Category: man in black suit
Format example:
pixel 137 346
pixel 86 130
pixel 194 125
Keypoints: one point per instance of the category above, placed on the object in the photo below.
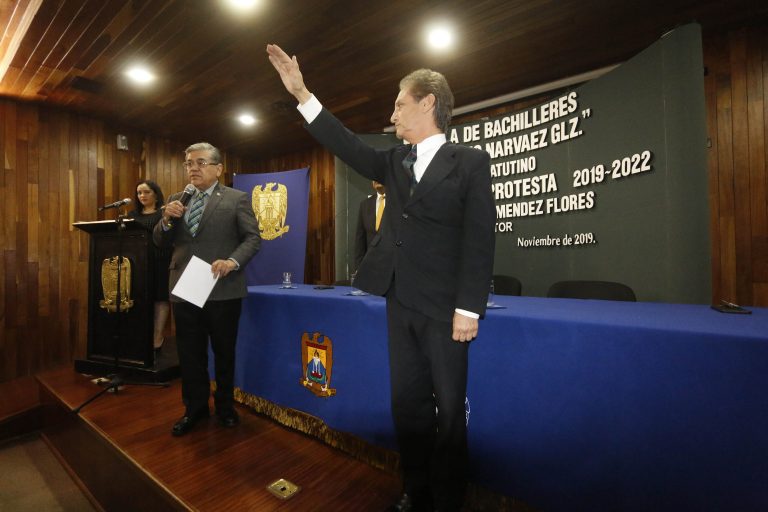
pixel 369 219
pixel 433 259
pixel 219 227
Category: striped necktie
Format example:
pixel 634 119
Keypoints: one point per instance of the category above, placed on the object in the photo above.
pixel 196 212
pixel 408 162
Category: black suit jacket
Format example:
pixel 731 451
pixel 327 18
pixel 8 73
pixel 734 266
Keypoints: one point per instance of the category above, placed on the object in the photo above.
pixel 436 245
pixel 366 228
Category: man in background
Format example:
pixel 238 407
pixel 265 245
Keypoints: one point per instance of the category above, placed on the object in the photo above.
pixel 369 219
pixel 219 227
pixel 432 259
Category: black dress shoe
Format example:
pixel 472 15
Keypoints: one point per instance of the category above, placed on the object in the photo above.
pixel 228 418
pixel 404 504
pixel 186 423
pixel 420 501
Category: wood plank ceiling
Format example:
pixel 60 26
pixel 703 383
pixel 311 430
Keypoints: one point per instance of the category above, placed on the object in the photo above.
pixel 211 65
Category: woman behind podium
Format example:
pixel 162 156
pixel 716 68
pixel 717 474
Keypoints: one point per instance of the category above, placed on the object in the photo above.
pixel 149 202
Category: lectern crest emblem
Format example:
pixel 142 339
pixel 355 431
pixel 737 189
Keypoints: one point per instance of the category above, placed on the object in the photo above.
pixel 109 285
pixel 317 363
pixel 270 205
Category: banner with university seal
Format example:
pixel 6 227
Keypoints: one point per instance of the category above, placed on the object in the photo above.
pixel 280 201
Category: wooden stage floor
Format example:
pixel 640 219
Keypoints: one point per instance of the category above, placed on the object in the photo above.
pixel 211 468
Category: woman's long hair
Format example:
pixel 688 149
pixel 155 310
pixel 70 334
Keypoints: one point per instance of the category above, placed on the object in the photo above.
pixel 159 198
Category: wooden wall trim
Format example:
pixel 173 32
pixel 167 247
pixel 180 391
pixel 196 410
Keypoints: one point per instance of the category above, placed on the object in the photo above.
pixel 20 410
pixel 18 395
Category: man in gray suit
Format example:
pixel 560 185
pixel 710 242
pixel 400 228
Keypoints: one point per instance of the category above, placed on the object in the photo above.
pixel 219 227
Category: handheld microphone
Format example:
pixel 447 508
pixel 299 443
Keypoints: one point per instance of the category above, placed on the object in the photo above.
pixel 186 195
pixel 116 204
pixel 189 191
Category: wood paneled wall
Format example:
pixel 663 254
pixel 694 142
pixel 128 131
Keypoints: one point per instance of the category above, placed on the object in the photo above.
pixel 736 86
pixel 59 166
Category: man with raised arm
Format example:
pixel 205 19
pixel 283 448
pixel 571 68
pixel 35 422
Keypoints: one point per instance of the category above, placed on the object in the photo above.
pixel 432 259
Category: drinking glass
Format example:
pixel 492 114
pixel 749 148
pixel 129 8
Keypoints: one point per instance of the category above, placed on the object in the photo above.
pixel 355 291
pixel 490 296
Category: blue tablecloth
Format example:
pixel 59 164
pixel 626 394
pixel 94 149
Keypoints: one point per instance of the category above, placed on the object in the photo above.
pixel 573 404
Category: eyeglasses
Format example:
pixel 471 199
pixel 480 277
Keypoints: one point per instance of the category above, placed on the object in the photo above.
pixel 199 163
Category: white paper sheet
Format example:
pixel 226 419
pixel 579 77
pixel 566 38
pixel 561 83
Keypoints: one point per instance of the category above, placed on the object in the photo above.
pixel 195 283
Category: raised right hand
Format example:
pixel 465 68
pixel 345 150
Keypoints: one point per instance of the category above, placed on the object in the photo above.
pixel 289 71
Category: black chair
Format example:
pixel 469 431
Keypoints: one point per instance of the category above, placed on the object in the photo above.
pixel 506 285
pixel 602 290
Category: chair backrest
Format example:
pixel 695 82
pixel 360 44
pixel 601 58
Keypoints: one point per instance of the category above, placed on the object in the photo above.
pixel 604 290
pixel 506 285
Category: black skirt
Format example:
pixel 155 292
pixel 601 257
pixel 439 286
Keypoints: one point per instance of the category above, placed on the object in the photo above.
pixel 160 258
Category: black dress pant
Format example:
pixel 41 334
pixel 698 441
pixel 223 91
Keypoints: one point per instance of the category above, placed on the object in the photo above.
pixel 428 373
pixel 217 321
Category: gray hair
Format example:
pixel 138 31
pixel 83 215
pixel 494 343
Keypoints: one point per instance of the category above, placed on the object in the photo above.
pixel 204 146
pixel 423 82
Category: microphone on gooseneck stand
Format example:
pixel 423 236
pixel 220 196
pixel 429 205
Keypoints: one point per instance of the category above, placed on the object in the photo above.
pixel 116 204
pixel 189 191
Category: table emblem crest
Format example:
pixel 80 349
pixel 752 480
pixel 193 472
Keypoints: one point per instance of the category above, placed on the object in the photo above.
pixel 270 205
pixel 317 363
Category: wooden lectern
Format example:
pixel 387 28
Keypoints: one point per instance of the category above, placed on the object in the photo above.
pixel 120 331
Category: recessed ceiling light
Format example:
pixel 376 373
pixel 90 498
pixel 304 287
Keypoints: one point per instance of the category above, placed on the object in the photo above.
pixel 247 120
pixel 440 37
pixel 140 75
pixel 243 4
